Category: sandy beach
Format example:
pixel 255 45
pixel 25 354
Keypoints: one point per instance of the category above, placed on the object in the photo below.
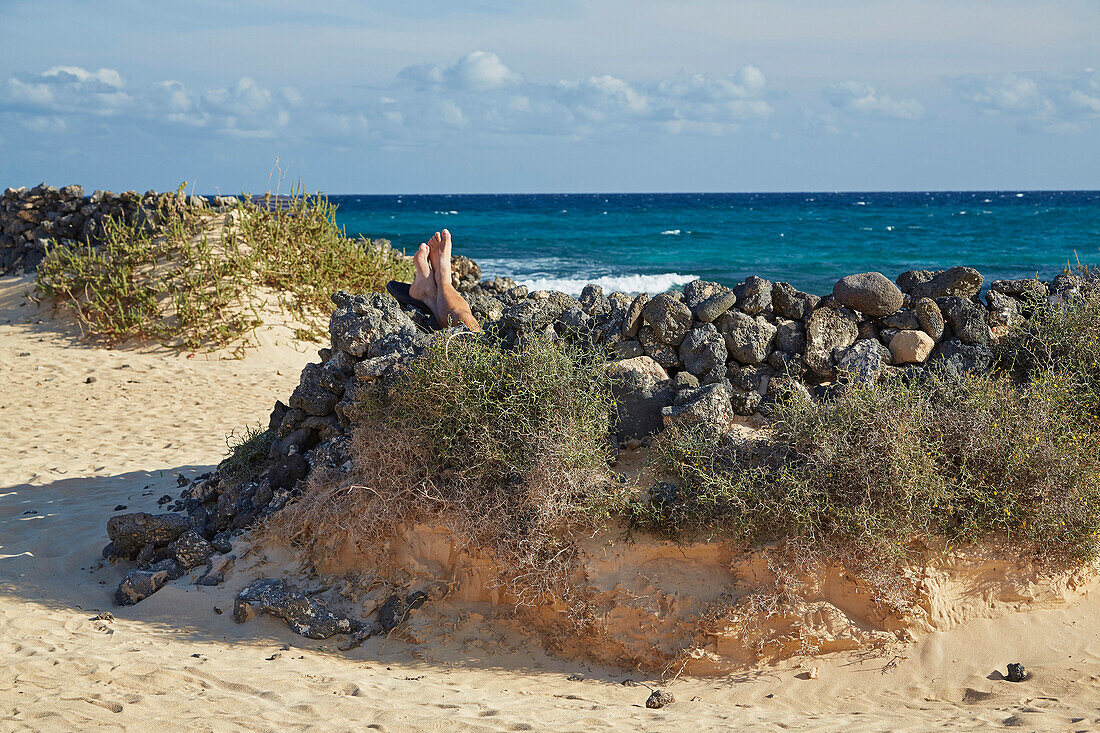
pixel 72 450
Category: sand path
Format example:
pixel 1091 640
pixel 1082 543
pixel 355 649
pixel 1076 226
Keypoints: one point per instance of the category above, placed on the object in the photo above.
pixel 70 451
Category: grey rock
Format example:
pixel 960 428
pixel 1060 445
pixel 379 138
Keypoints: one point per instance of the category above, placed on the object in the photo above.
pixel 665 355
pixel 863 362
pixel 748 339
pixel 969 320
pixel 641 388
pixel 395 610
pixel 1004 310
pixel 592 299
pixel 303 614
pixel 360 319
pixel 139 585
pixel 685 380
pixel 956 359
pixel 633 320
pixel 697 291
pixel 790 336
pixel 715 306
pixel 628 350
pixel 530 315
pixel 670 318
pixel 752 378
pixel 658 699
pixel 930 318
pixel 191 550
pixel 131 532
pixel 870 293
pixel 1025 289
pixel 792 365
pixel 754 296
pixel 745 403
pixel 958 281
pixel 904 320
pixel 791 303
pixel 703 353
pixel 287 471
pixel 312 395
pixel 216 568
pixel 828 329
pixel 708 405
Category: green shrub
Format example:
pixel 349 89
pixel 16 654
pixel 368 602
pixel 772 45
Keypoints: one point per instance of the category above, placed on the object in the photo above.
pixel 1059 339
pixel 177 285
pixel 505 447
pixel 886 465
pixel 247 454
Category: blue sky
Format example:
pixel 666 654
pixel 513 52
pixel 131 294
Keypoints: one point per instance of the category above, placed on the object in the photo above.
pixel 493 96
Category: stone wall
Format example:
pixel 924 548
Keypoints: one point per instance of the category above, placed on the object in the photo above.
pixel 32 218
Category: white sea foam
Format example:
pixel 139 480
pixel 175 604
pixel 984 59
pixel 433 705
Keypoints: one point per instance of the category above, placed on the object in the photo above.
pixel 671 231
pixel 625 283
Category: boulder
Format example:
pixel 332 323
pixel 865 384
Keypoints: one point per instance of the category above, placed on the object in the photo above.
pixel 911 347
pixel 1004 310
pixel 191 550
pixel 956 359
pixel 790 337
pixel 633 320
pixel 969 320
pixel 791 303
pixel 216 568
pixel 902 320
pixel 703 353
pixel 303 614
pixel 697 291
pixel 930 318
pixel 1025 289
pixel 139 585
pixel 748 339
pixel 754 296
pixel 665 355
pixel 863 362
pixel 870 293
pixel 714 306
pixel 708 405
pixel 958 281
pixel 131 532
pixel 828 329
pixel 670 318
pixel 360 319
pixel 641 388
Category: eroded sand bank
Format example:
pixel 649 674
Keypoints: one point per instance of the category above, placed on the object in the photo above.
pixel 71 451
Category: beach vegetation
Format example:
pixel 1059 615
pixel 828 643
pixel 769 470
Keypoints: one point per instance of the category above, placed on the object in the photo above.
pixel 505 447
pixel 247 454
pixel 175 275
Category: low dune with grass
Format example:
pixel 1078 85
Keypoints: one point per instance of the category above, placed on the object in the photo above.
pixel 534 526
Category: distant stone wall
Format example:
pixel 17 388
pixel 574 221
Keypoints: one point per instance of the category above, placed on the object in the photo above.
pixel 31 218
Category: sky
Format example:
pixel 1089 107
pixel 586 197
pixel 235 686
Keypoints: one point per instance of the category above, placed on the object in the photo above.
pixel 428 96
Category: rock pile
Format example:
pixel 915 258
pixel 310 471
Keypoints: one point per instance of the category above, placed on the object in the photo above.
pixel 708 354
pixel 31 218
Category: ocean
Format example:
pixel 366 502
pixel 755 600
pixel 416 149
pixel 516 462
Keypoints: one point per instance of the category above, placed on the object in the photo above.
pixel 653 242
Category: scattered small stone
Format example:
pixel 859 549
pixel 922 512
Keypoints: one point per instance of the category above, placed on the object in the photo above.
pixel 217 610
pixel 89 380
pixel 197 656
pixel 30 511
pixel 1016 672
pixel 24 353
pixel 181 480
pixel 658 699
pixel 104 616
pixel 120 507
pixel 164 500
pixel 575 678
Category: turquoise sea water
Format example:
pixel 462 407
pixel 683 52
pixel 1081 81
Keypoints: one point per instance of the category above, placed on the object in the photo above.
pixel 652 242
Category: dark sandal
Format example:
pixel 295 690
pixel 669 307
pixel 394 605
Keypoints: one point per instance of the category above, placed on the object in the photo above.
pixel 400 293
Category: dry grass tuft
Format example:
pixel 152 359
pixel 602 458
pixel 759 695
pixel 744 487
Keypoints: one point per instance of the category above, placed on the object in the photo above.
pixel 503 448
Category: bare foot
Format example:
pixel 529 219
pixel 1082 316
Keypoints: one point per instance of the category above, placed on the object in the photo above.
pixel 423 285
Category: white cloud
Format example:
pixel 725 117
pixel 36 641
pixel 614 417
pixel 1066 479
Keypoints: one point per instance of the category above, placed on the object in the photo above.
pixel 61 98
pixel 863 99
pixel 1059 104
pixel 476 71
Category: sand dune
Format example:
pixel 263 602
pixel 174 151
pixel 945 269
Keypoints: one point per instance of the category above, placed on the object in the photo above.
pixel 71 451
